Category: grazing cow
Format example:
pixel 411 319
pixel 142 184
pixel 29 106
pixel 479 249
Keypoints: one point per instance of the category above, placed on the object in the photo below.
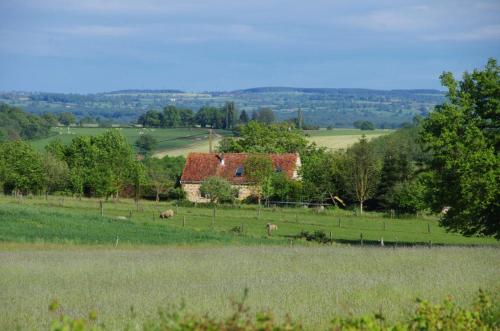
pixel 271 227
pixel 121 218
pixel 167 214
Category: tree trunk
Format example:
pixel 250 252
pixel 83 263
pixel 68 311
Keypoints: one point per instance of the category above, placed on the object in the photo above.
pixel 157 197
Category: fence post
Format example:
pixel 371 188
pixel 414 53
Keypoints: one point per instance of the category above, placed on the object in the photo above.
pixel 116 241
pixel 130 214
pixel 384 225
pixel 102 208
pixel 428 228
pixel 213 218
pixel 339 223
pixel 361 237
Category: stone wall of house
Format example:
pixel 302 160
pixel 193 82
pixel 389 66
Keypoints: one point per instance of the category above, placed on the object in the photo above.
pixel 193 192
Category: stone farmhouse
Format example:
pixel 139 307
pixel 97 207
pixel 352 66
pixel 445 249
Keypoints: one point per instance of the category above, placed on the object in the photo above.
pixel 200 166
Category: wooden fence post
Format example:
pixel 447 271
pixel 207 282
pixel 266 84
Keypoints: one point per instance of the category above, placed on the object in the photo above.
pixel 361 237
pixel 339 223
pixel 428 228
pixel 102 208
pixel 130 214
pixel 213 218
pixel 384 225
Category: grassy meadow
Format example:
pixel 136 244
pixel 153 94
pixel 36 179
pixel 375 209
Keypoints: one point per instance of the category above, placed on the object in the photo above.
pixel 62 248
pixel 79 221
pixel 311 283
pixel 342 138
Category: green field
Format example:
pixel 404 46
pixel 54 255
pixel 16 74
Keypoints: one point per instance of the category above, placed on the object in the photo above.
pixel 182 141
pixel 336 139
pixel 40 220
pixel 63 248
pixel 311 283
pixel 168 139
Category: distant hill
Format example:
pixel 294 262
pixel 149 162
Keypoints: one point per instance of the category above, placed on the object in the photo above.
pixel 281 89
pixel 134 91
pixel 337 107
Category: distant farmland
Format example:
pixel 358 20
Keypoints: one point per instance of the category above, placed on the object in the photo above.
pixel 181 141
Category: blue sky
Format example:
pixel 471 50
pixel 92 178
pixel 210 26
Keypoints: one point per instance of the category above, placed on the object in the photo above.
pixel 205 45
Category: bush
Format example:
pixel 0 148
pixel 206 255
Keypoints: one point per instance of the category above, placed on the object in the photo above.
pixel 483 315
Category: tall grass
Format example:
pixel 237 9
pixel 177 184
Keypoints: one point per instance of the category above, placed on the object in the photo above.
pixel 311 283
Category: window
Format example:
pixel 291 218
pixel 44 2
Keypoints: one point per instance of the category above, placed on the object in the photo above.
pixel 239 172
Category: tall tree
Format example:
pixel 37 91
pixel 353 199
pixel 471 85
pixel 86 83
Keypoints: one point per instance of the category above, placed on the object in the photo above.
pixel 243 117
pixel 145 144
pixel 22 168
pixel 67 118
pixel 266 116
pixel 361 172
pixel 463 135
pixel 258 171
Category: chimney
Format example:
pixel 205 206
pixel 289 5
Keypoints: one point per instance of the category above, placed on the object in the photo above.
pixel 221 158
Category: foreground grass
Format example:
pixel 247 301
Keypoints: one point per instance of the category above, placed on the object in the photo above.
pixel 60 220
pixel 311 283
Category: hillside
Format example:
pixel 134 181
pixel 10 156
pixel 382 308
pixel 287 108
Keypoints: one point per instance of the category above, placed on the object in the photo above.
pixel 338 107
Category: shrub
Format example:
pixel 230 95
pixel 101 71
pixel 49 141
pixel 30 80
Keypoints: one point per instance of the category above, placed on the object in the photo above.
pixel 482 315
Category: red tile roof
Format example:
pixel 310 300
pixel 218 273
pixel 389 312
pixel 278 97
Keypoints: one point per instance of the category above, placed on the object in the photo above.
pixel 200 166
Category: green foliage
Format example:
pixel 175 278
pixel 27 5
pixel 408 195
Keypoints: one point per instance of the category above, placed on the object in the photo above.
pixel 446 317
pixel 244 117
pixel 265 116
pixel 163 174
pixel 361 172
pixel 99 165
pixel 56 173
pixel 260 138
pixel 320 172
pixel 463 137
pixel 145 144
pixel 218 190
pixel 408 197
pixel 317 236
pixel 21 168
pixel 259 171
pixel 364 125
pixel 16 124
pixel 67 118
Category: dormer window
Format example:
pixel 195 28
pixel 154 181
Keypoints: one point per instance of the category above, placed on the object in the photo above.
pixel 239 172
pixel 278 169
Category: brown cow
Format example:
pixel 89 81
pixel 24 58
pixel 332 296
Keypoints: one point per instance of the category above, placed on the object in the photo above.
pixel 167 214
pixel 271 227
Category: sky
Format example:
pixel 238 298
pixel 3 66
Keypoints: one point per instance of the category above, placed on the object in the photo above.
pixel 87 46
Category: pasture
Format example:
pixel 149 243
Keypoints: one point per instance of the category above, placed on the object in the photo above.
pixel 62 220
pixel 342 138
pixel 63 248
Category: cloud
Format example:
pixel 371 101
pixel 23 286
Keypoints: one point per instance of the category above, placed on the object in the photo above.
pixel 96 30
pixel 489 32
pixel 396 19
